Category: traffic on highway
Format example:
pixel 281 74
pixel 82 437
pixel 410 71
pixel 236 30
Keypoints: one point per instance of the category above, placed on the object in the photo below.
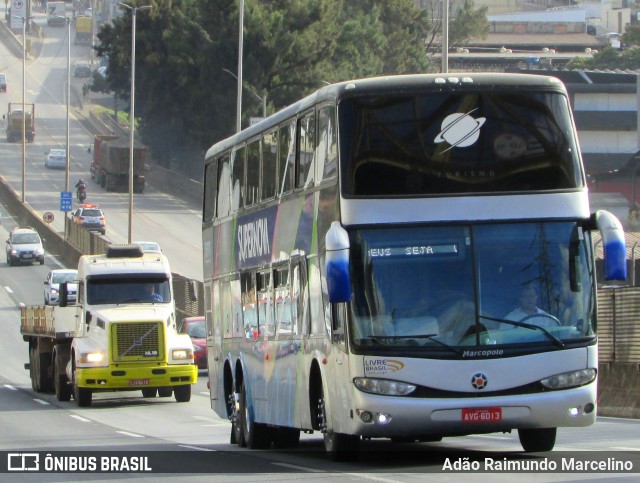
pixel 183 437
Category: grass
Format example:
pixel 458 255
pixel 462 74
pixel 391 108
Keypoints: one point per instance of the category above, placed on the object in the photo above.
pixel 123 117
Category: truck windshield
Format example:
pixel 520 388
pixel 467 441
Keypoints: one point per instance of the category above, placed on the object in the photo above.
pixel 121 291
pixel 442 290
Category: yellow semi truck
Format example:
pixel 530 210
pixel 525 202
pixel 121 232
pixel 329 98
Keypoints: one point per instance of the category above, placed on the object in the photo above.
pixel 120 336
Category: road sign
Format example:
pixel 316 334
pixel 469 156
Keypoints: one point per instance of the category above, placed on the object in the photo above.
pixel 66 198
pixel 48 217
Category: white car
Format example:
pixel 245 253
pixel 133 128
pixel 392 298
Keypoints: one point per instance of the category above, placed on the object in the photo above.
pixel 55 158
pixel 148 246
pixel 52 285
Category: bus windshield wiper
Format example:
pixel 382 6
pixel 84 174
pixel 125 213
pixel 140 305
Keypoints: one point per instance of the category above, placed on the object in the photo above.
pixel 557 342
pixel 431 337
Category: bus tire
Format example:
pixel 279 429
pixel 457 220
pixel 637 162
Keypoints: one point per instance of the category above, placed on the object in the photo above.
pixel 538 439
pixel 237 434
pixel 182 393
pixel 286 438
pixel 149 392
pixel 255 435
pixel 339 446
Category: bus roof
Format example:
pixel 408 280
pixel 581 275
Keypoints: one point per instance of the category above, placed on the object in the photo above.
pixel 385 84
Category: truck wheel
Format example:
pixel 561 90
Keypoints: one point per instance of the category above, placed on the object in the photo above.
pixel 165 392
pixel 149 392
pixel 182 393
pixel 40 371
pixel 82 395
pixel 61 385
pixel 32 367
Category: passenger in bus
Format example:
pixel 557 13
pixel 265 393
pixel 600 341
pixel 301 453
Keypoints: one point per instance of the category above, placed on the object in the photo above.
pixel 528 310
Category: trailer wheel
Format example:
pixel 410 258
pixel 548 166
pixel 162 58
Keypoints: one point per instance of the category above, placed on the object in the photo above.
pixel 40 368
pixel 61 385
pixel 182 393
pixel 32 367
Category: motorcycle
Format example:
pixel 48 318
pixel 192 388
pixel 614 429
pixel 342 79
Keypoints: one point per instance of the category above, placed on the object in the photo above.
pixel 81 194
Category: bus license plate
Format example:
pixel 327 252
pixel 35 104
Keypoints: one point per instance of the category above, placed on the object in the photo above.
pixel 138 382
pixel 481 415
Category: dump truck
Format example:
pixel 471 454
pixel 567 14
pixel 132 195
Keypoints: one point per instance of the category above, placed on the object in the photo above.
pixel 83 30
pixel 110 165
pixel 119 336
pixel 14 118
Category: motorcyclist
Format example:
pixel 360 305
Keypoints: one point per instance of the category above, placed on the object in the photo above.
pixel 81 192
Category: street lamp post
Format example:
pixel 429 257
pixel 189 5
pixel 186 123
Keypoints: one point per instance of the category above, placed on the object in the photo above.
pixel 239 76
pixel 24 112
pixel 262 99
pixel 67 147
pixel 134 11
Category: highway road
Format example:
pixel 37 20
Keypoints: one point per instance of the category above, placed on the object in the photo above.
pixel 157 216
pixel 32 421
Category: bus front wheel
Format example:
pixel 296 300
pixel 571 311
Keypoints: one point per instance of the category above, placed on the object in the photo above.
pixel 537 440
pixel 339 446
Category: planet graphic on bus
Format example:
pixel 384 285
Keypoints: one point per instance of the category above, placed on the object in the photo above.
pixel 460 130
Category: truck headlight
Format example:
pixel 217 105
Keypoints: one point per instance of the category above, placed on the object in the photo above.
pixel 569 379
pixel 384 387
pixel 182 354
pixel 91 357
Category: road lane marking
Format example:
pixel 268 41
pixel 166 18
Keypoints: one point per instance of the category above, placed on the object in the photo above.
pixel 296 467
pixel 197 448
pixel 40 401
pixel 133 435
pixel 10 387
pixel 80 418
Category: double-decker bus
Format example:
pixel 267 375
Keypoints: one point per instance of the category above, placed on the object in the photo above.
pixel 365 250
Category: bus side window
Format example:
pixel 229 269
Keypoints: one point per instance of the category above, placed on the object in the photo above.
pixel 210 195
pixel 248 297
pixel 282 301
pixel 299 304
pixel 306 150
pixel 327 151
pixel 269 166
pixel 238 180
pixel 338 322
pixel 224 186
pixel 253 173
pixel 265 301
pixel 286 157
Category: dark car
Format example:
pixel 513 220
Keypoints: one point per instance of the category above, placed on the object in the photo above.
pixel 197 330
pixel 24 245
pixel 81 70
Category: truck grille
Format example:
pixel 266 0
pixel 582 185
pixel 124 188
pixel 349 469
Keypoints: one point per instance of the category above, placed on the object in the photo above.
pixel 138 341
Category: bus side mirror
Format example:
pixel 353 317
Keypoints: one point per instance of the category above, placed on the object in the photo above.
pixel 615 250
pixel 63 296
pixel 337 264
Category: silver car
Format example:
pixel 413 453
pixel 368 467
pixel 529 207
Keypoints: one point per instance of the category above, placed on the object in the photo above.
pixel 56 158
pixel 52 285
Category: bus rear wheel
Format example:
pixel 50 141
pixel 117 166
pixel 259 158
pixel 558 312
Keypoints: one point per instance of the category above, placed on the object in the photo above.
pixel 255 435
pixel 237 435
pixel 537 440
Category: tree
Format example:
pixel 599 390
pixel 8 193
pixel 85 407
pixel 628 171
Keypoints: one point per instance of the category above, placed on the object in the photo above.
pixel 465 23
pixel 186 99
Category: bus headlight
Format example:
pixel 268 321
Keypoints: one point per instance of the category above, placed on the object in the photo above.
pixel 91 357
pixel 569 379
pixel 182 354
pixel 384 387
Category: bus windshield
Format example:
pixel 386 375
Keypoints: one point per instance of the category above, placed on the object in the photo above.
pixel 435 143
pixel 440 288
